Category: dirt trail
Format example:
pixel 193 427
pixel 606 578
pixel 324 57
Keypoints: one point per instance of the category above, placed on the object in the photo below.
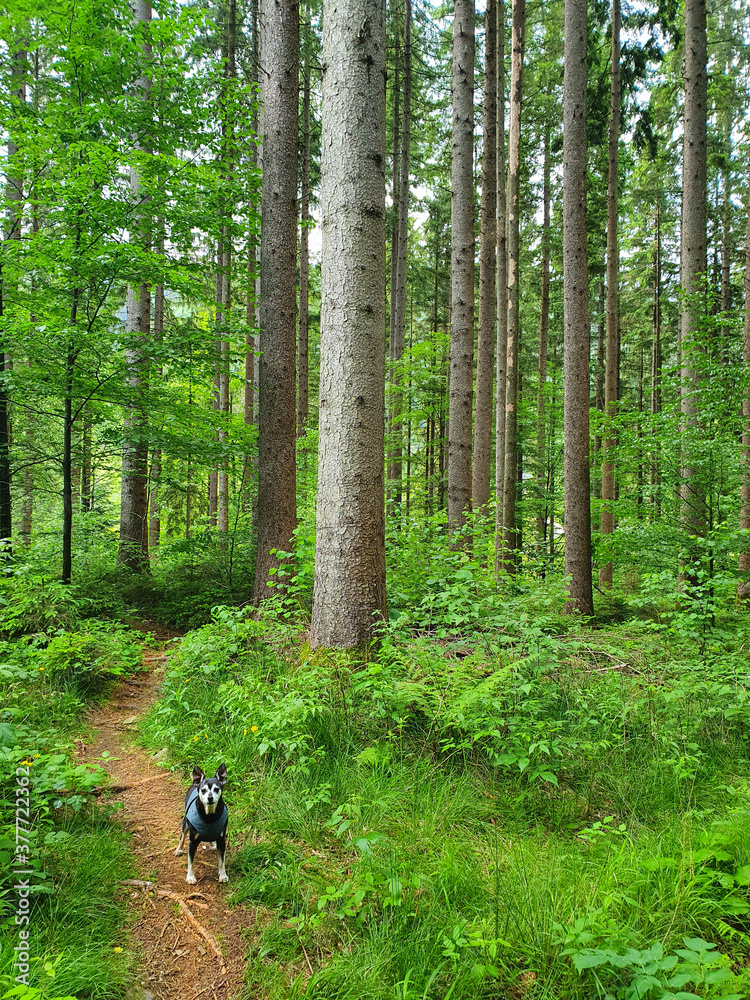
pixel 178 961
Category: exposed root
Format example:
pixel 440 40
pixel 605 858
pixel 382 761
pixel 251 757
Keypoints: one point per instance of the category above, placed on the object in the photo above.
pixel 208 938
pixel 188 913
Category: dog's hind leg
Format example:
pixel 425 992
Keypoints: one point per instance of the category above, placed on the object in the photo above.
pixel 178 849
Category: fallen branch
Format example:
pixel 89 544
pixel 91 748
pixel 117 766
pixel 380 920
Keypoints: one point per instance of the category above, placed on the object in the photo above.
pixel 189 916
pixel 188 913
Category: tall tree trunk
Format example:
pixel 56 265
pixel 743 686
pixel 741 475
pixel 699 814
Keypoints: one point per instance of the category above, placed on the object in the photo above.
pixel 501 347
pixel 640 397
pixel 349 592
pixel 303 404
pixel 223 321
pixel 692 273
pixel 27 502
pixel 576 318
pixel 213 476
pixel 480 475
pixel 462 270
pixel 154 506
pixel 743 587
pixel 277 427
pixel 67 457
pixel 86 462
pixel 14 203
pixel 68 421
pixel 540 471
pixel 510 481
pixel 656 365
pixel 395 186
pixel 611 374
pixel 396 346
pixel 252 272
pixel 133 548
pixel 224 282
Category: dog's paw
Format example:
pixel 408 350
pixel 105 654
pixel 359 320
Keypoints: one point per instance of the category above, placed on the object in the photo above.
pixel 191 879
pixel 223 877
pixel 178 852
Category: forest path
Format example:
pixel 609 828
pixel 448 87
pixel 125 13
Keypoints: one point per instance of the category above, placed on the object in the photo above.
pixel 179 928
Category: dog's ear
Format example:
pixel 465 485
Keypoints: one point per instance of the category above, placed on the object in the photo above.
pixel 221 775
pixel 198 775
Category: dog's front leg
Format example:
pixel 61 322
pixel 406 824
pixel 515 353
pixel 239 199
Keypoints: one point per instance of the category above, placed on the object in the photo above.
pixel 192 847
pixel 221 844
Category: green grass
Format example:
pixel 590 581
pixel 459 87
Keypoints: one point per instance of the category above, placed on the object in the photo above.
pixel 54 664
pixel 76 927
pixel 436 824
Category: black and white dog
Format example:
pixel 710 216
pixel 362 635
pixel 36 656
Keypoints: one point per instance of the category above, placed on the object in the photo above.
pixel 206 818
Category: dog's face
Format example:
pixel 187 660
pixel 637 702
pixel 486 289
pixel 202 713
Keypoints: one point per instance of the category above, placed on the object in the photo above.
pixel 210 789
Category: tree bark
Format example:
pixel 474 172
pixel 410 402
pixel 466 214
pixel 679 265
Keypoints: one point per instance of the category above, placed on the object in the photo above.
pixel 395 186
pixel 133 547
pixel 224 281
pixel 349 591
pixel 67 456
pixel 692 273
pixel 510 480
pixel 154 476
pixel 396 345
pixel 501 347
pixel 251 300
pixel 303 403
pixel 656 365
pixel 480 475
pixel 14 202
pixel 462 272
pixel 612 369
pixel 576 316
pixel 277 425
pixel 540 471
pixel 743 587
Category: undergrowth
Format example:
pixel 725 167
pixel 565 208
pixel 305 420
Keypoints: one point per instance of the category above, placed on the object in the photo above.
pixel 498 801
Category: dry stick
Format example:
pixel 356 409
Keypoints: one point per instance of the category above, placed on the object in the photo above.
pixel 166 928
pixel 167 894
pixel 210 941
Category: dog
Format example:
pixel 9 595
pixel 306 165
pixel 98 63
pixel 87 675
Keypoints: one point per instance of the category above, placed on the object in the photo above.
pixel 206 818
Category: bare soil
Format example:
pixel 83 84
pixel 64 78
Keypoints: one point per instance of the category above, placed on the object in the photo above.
pixel 178 927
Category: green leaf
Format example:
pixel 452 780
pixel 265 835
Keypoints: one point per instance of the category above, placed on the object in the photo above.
pixel 589 960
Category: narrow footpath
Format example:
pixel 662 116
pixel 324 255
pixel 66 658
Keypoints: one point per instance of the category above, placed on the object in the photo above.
pixel 190 944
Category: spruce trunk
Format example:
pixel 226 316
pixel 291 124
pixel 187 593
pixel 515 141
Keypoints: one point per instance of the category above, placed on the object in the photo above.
pixel 349 591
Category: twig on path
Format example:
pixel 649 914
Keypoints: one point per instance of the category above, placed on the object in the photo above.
pixel 138 883
pixel 189 916
pixel 166 928
pixel 188 913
